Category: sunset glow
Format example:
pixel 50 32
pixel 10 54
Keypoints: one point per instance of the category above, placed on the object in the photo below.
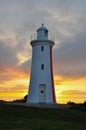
pixel 67 27
pixel 68 90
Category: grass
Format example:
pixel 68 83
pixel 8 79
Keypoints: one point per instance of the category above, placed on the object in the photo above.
pixel 13 117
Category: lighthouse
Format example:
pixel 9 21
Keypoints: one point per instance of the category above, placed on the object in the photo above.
pixel 41 87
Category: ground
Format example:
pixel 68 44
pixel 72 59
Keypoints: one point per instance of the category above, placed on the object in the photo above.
pixel 19 117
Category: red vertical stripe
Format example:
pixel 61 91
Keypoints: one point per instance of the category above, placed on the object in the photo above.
pixel 51 68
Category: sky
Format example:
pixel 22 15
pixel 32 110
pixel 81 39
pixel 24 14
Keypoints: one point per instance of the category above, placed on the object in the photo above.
pixel 66 22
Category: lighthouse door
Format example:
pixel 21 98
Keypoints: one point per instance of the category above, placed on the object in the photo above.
pixel 42 93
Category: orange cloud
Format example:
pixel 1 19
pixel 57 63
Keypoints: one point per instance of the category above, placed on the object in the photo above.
pixel 77 96
pixel 9 73
pixel 13 83
pixel 58 80
pixel 70 89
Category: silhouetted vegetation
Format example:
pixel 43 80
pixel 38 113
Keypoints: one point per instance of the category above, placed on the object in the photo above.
pixel 20 100
pixel 70 103
pixel 25 98
pixel 78 106
pixel 2 101
pixel 84 103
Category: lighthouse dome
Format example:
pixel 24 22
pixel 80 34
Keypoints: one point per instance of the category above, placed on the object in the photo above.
pixel 42 33
pixel 42 28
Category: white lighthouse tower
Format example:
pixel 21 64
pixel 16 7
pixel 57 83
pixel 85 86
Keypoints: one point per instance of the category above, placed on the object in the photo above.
pixel 41 88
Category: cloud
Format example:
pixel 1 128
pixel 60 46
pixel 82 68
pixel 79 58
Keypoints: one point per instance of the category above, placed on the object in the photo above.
pixel 9 73
pixel 73 93
pixel 9 68
pixel 26 67
pixel 23 17
pixel 16 89
pixel 77 96
pixel 70 57
pixel 19 19
pixel 7 55
pixel 10 47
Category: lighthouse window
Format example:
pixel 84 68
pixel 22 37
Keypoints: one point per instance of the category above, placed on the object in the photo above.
pixel 46 32
pixel 42 48
pixel 42 66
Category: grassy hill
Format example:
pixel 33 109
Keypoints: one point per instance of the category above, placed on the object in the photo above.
pixel 13 117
